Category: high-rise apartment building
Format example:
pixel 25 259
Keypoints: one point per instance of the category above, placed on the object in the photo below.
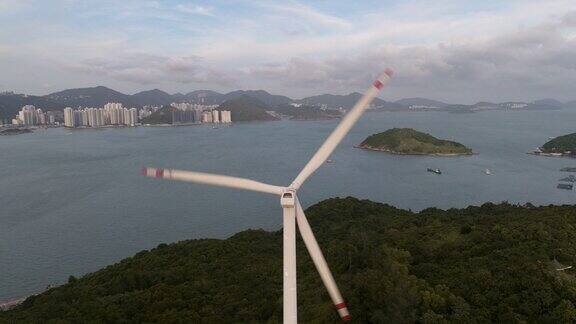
pixel 225 116
pixel 69 117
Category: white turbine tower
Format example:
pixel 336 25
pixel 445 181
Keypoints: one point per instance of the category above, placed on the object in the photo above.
pixel 293 212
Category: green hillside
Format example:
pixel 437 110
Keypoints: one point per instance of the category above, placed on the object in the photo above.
pixel 410 141
pixel 159 117
pixel 307 112
pixel 494 263
pixel 561 144
pixel 245 108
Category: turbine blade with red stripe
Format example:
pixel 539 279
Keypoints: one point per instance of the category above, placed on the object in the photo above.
pixel 212 179
pixel 320 262
pixel 342 129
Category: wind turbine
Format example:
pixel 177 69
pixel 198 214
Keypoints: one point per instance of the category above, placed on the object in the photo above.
pixel 292 210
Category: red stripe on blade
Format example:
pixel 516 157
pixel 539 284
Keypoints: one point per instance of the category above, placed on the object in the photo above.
pixel 159 173
pixel 346 318
pixel 144 171
pixel 340 306
pixel 389 72
pixel 378 84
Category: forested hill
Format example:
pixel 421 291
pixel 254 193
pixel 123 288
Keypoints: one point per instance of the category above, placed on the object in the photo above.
pixel 410 141
pixel 246 108
pixel 494 263
pixel 561 144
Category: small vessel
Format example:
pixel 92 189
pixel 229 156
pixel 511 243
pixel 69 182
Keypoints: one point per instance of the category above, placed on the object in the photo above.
pixel 437 171
pixel 570 178
pixel 487 172
pixel 329 161
pixel 565 186
pixel 214 127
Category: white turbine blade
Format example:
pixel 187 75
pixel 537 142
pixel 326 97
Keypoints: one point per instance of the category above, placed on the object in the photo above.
pixel 212 179
pixel 320 263
pixel 342 129
pixel 290 305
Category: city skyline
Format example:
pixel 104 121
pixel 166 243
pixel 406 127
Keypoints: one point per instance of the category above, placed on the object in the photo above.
pixel 458 51
pixel 115 114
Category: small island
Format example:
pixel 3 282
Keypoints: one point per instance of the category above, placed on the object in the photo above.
pixel 407 141
pixel 560 146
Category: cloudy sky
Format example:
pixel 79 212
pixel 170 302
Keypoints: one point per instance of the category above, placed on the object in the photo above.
pixel 452 50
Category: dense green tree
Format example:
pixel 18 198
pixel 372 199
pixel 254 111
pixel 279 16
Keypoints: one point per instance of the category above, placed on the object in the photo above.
pixel 493 263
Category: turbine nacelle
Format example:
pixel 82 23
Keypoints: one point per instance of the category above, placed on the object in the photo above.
pixel 288 198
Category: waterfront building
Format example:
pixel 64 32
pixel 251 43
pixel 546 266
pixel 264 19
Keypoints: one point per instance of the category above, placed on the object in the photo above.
pixel 115 113
pixel 215 116
pixel 225 116
pixel 51 118
pixel 183 116
pixel 207 117
pixel 69 117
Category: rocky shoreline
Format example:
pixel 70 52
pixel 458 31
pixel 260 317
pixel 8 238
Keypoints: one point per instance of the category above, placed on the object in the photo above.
pixel 7 305
pixel 378 149
pixel 560 155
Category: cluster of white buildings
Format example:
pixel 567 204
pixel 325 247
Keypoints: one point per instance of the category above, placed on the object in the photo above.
pixel 196 113
pixel 514 105
pixel 30 116
pixel 419 107
pixel 215 116
pixel 114 114
pixel 111 114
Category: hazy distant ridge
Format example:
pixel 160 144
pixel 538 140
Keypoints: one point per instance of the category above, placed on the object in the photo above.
pixel 10 103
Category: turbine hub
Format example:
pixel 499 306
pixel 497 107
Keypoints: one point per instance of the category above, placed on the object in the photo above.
pixel 288 198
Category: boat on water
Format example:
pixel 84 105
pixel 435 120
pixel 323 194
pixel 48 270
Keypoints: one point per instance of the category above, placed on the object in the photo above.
pixel 487 172
pixel 437 171
pixel 565 186
pixel 329 161
pixel 571 178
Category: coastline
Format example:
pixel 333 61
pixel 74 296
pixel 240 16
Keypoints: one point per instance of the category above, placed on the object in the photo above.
pixel 555 155
pixel 370 148
pixel 8 305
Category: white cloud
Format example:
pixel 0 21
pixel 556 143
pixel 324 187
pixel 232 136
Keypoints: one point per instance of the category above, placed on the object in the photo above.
pixel 195 9
pixel 455 50
pixel 8 7
pixel 300 11
pixel 145 69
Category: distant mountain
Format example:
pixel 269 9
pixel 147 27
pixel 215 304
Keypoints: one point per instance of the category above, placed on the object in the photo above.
pixel 246 108
pixel 421 102
pixel 206 97
pixel 11 103
pixel 153 98
pixel 209 97
pixel 265 97
pixel 307 112
pixel 339 101
pixel 549 102
pixel 485 104
pixel 90 97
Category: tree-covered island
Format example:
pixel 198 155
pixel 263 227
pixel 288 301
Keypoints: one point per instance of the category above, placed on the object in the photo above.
pixel 411 142
pixel 560 146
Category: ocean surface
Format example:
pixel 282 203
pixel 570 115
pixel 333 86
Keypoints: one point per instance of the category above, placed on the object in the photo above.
pixel 73 201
